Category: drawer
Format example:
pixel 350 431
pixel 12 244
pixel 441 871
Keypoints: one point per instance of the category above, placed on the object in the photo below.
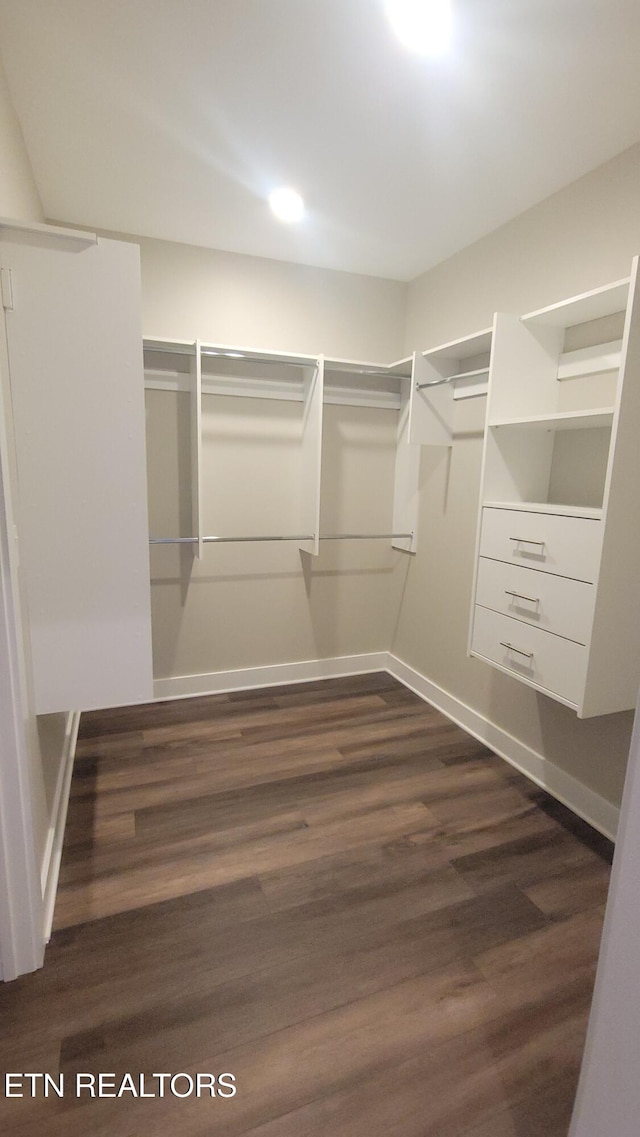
pixel 548 662
pixel 567 546
pixel 553 603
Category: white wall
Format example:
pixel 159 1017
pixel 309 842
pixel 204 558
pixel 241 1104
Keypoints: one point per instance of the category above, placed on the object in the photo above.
pixel 582 237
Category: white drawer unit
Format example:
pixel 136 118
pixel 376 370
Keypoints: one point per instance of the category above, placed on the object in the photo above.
pixel 566 546
pixel 553 603
pixel 550 663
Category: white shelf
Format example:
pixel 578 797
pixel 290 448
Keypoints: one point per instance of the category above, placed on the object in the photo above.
pixel 546 507
pixel 172 347
pixel 255 355
pixel 458 369
pixel 258 374
pixel 401 369
pixel 562 420
pixel 580 309
pixel 479 343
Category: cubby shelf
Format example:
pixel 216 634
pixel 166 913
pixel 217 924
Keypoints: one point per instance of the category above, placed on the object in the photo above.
pixel 455 370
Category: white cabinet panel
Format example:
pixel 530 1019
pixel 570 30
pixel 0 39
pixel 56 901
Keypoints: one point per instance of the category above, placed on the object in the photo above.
pixel 554 603
pixel 568 546
pixel 75 363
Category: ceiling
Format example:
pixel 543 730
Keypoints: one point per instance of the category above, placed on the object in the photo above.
pixel 175 118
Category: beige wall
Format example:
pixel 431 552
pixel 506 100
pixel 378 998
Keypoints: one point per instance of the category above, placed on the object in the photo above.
pixel 190 293
pixel 582 237
pixel 18 194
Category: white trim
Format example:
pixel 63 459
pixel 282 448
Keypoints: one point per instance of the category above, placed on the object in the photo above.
pixel 219 682
pixel 53 849
pixel 593 808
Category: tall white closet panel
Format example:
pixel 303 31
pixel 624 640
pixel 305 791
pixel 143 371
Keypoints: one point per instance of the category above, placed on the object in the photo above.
pixel 558 554
pixel 72 316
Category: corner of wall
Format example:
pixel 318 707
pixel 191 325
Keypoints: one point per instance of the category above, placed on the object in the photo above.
pixel 19 196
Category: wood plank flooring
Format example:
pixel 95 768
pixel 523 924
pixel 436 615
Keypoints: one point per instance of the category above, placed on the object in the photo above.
pixel 327 890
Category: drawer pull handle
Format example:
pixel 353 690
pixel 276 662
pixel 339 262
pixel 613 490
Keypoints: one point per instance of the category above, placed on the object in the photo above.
pixel 510 647
pixel 521 596
pixel 526 541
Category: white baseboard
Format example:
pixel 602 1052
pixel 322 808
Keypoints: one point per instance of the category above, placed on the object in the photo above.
pixel 599 812
pixel 244 679
pixel 53 848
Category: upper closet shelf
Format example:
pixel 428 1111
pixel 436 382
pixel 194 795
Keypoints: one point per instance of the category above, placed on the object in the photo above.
pixel 228 351
pixel 463 363
pixel 362 383
pixel 478 343
pixel 251 373
pixel 593 305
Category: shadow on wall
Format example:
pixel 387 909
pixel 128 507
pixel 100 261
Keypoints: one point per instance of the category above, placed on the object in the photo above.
pixel 591 751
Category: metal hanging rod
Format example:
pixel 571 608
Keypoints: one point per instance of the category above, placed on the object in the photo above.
pixel 436 382
pixel 224 540
pixel 366 537
pixel 304 537
pixel 475 374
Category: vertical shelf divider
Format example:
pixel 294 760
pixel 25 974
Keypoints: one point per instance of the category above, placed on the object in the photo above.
pixel 407 474
pixel 311 456
pixel 431 409
pixel 196 450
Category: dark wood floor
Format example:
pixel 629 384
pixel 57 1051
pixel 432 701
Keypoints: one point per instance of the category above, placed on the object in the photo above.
pixel 329 891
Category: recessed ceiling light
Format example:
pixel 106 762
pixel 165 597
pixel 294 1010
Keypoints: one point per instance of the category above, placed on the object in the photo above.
pixel 286 204
pixel 423 26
